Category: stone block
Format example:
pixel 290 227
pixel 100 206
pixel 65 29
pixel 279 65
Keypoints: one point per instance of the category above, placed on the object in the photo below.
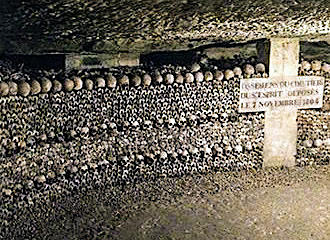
pixel 284 57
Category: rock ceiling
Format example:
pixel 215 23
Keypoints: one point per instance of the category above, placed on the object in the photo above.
pixel 39 26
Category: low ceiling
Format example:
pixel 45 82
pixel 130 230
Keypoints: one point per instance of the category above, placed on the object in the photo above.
pixel 109 26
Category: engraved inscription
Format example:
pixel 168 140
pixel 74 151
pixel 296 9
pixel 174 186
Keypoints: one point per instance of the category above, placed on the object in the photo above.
pixel 262 94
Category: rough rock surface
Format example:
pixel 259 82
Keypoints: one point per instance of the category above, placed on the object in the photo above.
pixel 136 25
pixel 267 204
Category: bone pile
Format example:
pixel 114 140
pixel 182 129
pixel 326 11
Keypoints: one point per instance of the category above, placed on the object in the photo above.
pixel 313 145
pixel 65 133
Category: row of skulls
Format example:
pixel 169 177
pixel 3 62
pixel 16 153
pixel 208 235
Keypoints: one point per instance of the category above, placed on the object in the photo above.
pixel 113 79
pixel 142 78
pixel 314 67
pixel 171 105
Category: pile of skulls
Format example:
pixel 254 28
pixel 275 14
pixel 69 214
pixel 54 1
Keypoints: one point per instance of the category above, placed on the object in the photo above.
pixel 47 82
pixel 315 68
pixel 89 111
pixel 94 133
pixel 313 137
pixel 125 125
pixel 313 145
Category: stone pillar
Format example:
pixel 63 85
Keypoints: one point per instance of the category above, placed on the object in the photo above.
pixel 281 126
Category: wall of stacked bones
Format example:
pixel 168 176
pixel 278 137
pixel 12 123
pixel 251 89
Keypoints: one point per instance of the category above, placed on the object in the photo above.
pixel 65 132
pixel 313 144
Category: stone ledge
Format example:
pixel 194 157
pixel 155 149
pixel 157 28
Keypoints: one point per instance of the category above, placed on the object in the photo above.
pixel 85 61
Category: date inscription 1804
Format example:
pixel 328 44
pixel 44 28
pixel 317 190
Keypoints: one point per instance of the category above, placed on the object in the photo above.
pixel 262 94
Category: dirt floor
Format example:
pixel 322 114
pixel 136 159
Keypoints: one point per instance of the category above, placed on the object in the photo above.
pixel 301 211
pixel 266 204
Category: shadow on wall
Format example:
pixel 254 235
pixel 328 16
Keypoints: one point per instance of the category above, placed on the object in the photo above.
pixel 165 58
pixel 219 55
pixel 315 50
pixel 45 61
pixel 308 50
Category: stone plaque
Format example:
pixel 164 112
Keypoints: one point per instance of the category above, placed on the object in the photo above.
pixel 278 93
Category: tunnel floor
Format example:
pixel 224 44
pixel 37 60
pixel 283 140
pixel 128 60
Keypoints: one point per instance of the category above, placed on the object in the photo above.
pixel 264 204
pixel 301 211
